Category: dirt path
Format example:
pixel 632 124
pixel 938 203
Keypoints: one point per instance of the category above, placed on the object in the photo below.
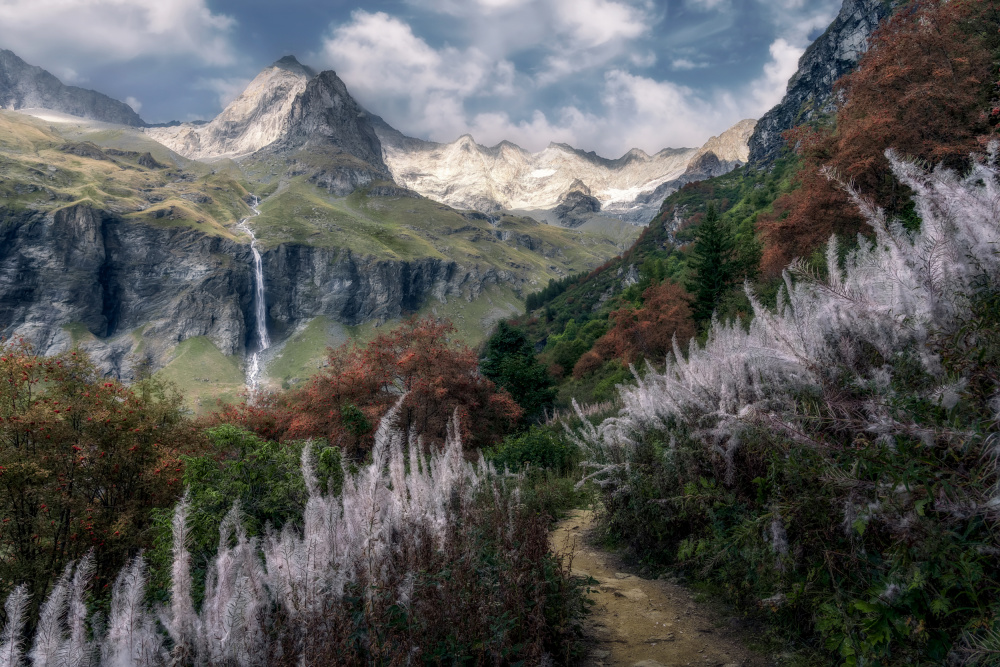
pixel 642 622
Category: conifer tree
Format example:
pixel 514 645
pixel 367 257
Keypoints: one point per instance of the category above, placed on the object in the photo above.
pixel 714 262
pixel 510 362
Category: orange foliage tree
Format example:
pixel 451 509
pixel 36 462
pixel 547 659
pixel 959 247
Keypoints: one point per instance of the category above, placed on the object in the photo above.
pixel 924 89
pixel 82 461
pixel 646 332
pixel 345 401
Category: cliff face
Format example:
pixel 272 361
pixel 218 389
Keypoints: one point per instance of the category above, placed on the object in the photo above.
pixel 810 90
pixel 86 276
pixel 128 292
pixel 24 86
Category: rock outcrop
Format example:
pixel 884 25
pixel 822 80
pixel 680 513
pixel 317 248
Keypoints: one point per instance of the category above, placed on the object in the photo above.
pixel 810 90
pixel 130 292
pixel 308 120
pixel 24 86
pixel 467 175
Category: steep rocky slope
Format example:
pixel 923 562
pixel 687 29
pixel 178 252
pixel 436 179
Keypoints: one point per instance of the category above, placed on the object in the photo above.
pixel 259 116
pixel 467 175
pixel 810 90
pixel 24 86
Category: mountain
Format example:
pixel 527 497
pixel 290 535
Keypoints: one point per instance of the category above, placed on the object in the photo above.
pixel 258 117
pixel 290 112
pixel 24 86
pixel 467 175
pixel 810 90
pixel 129 243
pixel 114 243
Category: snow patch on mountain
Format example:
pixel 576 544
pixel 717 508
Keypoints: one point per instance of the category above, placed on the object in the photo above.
pixel 467 175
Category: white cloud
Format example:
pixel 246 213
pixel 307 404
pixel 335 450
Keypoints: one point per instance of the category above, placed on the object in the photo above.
pixel 103 31
pixel 770 87
pixel 435 92
pixel 708 5
pixel 635 112
pixel 684 64
pixel 134 103
pixel 398 74
pixel 227 90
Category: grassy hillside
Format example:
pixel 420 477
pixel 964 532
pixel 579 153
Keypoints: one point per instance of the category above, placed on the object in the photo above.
pixel 47 167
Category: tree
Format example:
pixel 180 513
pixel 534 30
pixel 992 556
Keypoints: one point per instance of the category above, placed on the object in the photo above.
pixel 510 362
pixel 713 259
pixel 646 332
pixel 82 461
pixel 343 402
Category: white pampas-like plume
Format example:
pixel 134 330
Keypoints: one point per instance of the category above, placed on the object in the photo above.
pixel 889 294
pixel 402 494
pixel 132 639
pixel 12 640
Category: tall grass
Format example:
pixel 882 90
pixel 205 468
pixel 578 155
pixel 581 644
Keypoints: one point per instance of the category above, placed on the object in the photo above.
pixel 834 460
pixel 419 558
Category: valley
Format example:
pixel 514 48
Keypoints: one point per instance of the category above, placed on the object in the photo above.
pixel 344 237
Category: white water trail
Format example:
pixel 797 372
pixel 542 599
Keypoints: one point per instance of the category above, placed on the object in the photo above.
pixel 260 305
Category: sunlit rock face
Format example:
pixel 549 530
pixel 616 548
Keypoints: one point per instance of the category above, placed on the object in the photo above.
pixel 467 175
pixel 810 90
pixel 258 117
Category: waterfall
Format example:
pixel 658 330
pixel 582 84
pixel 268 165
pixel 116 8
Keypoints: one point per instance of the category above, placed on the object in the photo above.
pixel 260 305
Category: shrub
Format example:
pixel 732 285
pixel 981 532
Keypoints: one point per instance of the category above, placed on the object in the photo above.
pixel 536 447
pixel 923 89
pixel 419 558
pixel 262 477
pixel 83 460
pixel 358 386
pixel 833 464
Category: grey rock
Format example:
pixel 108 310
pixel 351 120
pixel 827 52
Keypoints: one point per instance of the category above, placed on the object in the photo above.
pixel 576 208
pixel 810 90
pixel 89 267
pixel 135 287
pixel 24 86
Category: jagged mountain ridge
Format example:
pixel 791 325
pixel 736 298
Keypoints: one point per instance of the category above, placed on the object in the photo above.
pixel 810 90
pixel 288 107
pixel 24 86
pixel 467 175
pixel 259 116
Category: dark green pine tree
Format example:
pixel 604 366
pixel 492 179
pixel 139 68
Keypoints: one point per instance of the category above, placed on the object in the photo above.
pixel 714 263
pixel 510 362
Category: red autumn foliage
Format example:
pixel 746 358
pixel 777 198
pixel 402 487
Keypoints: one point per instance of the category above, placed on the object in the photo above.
pixel 345 401
pixel 83 460
pixel 923 89
pixel 646 332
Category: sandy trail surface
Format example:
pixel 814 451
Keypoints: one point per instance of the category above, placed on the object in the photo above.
pixel 641 622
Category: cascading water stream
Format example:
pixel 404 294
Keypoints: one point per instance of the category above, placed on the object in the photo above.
pixel 260 305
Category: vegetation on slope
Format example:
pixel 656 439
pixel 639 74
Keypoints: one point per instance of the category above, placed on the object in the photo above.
pixel 380 549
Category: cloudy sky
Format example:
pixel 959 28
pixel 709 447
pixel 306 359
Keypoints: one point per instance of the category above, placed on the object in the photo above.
pixel 603 75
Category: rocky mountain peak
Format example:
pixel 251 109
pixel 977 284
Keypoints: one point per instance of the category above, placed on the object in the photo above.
pixel 256 118
pixel 24 86
pixel 291 64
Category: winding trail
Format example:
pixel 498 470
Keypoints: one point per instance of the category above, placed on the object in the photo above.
pixel 641 622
